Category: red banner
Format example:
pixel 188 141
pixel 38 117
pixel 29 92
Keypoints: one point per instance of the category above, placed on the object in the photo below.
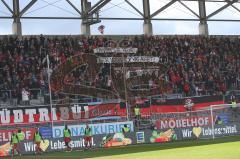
pixel 25 115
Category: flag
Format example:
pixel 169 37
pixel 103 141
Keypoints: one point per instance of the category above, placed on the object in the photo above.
pixel 101 29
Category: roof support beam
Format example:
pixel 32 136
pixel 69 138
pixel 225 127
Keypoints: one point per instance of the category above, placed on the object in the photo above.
pixel 16 11
pixel 97 6
pixel 203 26
pixel 222 8
pixel 7 6
pixel 147 25
pixel 184 5
pixel 146 10
pixel 27 7
pixel 74 7
pixel 129 3
pixel 235 7
pixel 163 8
pixel 16 26
pixel 118 18
pixel 85 27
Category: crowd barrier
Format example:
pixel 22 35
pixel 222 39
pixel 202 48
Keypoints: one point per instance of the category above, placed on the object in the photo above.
pixel 69 112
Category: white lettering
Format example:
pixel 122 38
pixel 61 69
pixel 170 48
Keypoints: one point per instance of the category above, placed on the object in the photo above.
pixel 64 113
pixel 43 112
pixel 54 114
pixel 18 116
pixel 30 113
pixel 5 116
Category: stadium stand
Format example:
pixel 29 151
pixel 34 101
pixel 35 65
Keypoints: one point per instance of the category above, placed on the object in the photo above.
pixel 196 65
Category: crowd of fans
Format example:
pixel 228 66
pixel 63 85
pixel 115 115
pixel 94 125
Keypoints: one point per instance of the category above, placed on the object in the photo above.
pixel 195 65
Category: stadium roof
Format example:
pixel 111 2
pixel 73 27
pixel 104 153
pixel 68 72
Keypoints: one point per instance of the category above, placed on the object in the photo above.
pixel 122 16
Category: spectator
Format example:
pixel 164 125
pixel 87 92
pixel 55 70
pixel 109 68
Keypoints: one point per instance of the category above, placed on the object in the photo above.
pixel 208 65
pixel 25 97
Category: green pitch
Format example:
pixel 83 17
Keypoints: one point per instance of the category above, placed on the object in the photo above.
pixel 225 148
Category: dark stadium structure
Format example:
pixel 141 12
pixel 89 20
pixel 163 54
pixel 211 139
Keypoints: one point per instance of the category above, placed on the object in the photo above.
pixel 89 13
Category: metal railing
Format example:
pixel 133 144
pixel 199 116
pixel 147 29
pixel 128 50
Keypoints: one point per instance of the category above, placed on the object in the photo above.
pixel 38 97
pixel 11 97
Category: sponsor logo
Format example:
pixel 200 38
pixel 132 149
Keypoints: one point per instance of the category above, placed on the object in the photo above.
pixel 188 103
pixel 104 128
pixel 163 136
pixel 5 135
pixel 46 132
pixel 227 130
pixel 117 139
pixel 182 123
pixel 140 137
pixel 54 145
pixel 199 132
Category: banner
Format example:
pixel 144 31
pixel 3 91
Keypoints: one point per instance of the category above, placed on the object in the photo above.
pixel 208 132
pixel 104 50
pixel 78 143
pixel 5 135
pixel 101 128
pixel 129 59
pixel 43 114
pixel 170 123
pixel 123 139
pixel 158 107
pixel 182 104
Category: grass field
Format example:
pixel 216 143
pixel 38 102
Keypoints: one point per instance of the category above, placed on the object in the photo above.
pixel 224 148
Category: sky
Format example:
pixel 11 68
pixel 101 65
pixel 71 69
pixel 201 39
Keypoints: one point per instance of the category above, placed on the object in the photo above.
pixel 119 8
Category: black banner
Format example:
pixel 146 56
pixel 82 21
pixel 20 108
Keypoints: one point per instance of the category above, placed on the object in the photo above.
pixel 182 101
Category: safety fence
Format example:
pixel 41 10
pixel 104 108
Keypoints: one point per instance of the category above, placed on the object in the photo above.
pixel 14 98
pixel 99 110
pixel 41 96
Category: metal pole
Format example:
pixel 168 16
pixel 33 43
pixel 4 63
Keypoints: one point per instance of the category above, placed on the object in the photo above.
pixel 49 88
pixel 147 25
pixel 85 28
pixel 213 135
pixel 203 26
pixel 16 25
pixel 125 88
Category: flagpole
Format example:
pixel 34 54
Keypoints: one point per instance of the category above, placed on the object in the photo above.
pixel 49 88
pixel 125 88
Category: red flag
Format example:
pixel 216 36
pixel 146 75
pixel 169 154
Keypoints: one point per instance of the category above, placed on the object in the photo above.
pixel 101 29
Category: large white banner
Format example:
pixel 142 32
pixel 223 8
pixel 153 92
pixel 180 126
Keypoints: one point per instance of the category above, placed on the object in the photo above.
pixel 103 128
pixel 128 50
pixel 129 59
